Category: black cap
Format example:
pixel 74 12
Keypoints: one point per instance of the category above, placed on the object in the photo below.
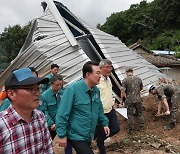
pixel 23 77
pixel 152 87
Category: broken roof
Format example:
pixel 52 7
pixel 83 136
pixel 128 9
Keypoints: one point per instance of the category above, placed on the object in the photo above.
pixel 157 60
pixel 58 36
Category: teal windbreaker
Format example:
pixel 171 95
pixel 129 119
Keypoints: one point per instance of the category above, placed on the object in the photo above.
pixel 78 112
pixel 5 104
pixel 50 105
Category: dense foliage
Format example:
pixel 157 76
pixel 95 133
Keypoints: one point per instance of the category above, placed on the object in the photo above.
pixel 11 41
pixel 156 24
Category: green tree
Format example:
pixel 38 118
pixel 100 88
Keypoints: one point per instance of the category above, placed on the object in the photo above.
pixel 12 39
pixel 98 26
pixel 156 24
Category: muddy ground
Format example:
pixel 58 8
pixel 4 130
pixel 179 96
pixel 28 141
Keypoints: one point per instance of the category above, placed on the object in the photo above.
pixel 154 140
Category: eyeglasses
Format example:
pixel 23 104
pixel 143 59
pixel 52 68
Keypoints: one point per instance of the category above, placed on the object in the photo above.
pixel 108 67
pixel 34 91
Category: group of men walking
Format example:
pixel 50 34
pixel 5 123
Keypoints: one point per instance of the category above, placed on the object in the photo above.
pixel 77 114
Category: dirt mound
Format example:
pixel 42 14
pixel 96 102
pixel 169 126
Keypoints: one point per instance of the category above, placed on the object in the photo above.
pixel 141 144
pixel 154 140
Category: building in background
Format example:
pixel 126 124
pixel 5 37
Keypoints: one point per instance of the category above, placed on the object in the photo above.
pixel 168 64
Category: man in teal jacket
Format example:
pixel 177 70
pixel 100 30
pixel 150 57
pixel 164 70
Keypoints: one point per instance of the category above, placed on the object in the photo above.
pixel 51 100
pixel 80 110
pixel 54 71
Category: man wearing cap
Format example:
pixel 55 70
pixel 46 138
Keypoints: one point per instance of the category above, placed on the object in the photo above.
pixel 132 86
pixel 3 96
pixel 54 71
pixel 23 129
pixel 169 95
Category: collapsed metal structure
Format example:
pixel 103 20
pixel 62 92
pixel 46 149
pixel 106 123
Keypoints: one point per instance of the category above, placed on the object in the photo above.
pixel 58 36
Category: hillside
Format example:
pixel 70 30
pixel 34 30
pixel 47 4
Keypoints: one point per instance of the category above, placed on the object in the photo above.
pixel 155 24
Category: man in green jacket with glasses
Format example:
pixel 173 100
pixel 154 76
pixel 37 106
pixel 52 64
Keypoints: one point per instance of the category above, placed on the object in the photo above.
pixel 80 110
pixel 50 101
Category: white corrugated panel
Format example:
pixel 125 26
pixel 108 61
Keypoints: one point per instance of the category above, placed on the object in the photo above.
pixel 122 57
pixel 50 41
pixel 49 45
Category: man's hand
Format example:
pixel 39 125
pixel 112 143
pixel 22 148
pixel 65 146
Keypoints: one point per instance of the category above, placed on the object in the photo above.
pixel 107 131
pixel 167 113
pixel 123 94
pixel 53 127
pixel 114 107
pixel 158 114
pixel 121 103
pixel 62 142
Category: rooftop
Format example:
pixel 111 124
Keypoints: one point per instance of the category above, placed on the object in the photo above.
pixel 159 60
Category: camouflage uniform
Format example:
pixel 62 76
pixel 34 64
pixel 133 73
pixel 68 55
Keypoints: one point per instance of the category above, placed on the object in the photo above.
pixel 172 94
pixel 132 86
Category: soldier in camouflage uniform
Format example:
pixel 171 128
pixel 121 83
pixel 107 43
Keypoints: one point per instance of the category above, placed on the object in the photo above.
pixel 169 95
pixel 132 86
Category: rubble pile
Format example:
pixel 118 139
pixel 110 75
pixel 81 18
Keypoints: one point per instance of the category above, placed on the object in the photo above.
pixel 141 144
pixel 153 140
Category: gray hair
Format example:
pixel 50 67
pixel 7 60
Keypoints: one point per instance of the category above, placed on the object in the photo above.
pixel 55 78
pixel 104 62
